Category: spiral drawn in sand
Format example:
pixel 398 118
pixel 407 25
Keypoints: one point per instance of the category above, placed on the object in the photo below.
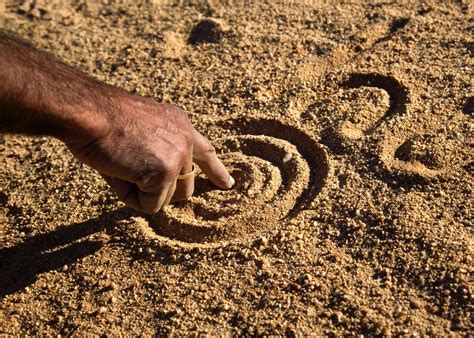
pixel 397 92
pixel 348 115
pixel 416 159
pixel 360 112
pixel 397 155
pixel 278 169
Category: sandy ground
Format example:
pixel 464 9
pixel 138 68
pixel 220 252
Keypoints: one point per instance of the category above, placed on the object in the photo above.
pixel 348 127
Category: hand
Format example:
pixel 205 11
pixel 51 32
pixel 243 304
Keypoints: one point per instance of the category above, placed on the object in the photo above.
pixel 141 148
pixel 138 146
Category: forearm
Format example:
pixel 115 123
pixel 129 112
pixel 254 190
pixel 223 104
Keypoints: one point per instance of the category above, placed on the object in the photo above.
pixel 138 145
pixel 40 95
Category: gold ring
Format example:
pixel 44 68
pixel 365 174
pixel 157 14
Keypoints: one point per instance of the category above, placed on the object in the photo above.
pixel 188 175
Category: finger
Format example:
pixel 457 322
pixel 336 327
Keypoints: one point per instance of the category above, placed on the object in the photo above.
pixel 125 191
pixel 107 179
pixel 151 202
pixel 185 187
pixel 169 196
pixel 205 156
pixel 156 192
pixel 134 198
pixel 122 190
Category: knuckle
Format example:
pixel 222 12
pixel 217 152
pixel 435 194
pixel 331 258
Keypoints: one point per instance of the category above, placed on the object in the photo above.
pixel 188 138
pixel 176 111
pixel 209 149
pixel 182 146
pixel 169 169
pixel 145 179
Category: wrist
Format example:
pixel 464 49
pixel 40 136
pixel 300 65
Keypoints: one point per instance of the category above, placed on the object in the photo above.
pixel 83 110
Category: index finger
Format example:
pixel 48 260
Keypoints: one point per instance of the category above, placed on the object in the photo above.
pixel 204 155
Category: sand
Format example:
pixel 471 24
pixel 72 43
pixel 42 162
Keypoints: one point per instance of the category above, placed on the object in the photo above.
pixel 348 127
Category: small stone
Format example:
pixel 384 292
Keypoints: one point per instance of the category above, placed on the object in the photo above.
pixel 25 7
pixel 252 192
pixel 287 157
pixel 224 307
pixel 14 323
pixel 36 13
pixel 263 241
pixel 102 310
pixel 415 304
pixel 306 279
pixel 261 263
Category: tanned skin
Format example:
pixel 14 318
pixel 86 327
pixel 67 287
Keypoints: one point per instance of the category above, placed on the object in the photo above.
pixel 139 146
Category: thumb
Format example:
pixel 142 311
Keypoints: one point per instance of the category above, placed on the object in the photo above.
pixel 204 155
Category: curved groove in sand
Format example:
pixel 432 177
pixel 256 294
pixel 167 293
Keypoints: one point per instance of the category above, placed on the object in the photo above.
pixel 409 171
pixel 396 90
pixel 279 171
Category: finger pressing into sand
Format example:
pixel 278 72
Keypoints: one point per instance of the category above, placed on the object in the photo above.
pixel 206 158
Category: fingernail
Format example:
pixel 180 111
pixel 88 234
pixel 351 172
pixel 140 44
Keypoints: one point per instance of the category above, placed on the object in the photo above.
pixel 231 182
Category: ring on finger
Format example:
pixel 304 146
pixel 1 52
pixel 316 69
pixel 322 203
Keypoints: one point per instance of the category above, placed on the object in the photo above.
pixel 187 175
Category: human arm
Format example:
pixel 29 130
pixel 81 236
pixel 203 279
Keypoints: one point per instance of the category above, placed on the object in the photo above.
pixel 138 145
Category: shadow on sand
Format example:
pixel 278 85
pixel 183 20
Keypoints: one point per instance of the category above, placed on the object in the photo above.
pixel 21 264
